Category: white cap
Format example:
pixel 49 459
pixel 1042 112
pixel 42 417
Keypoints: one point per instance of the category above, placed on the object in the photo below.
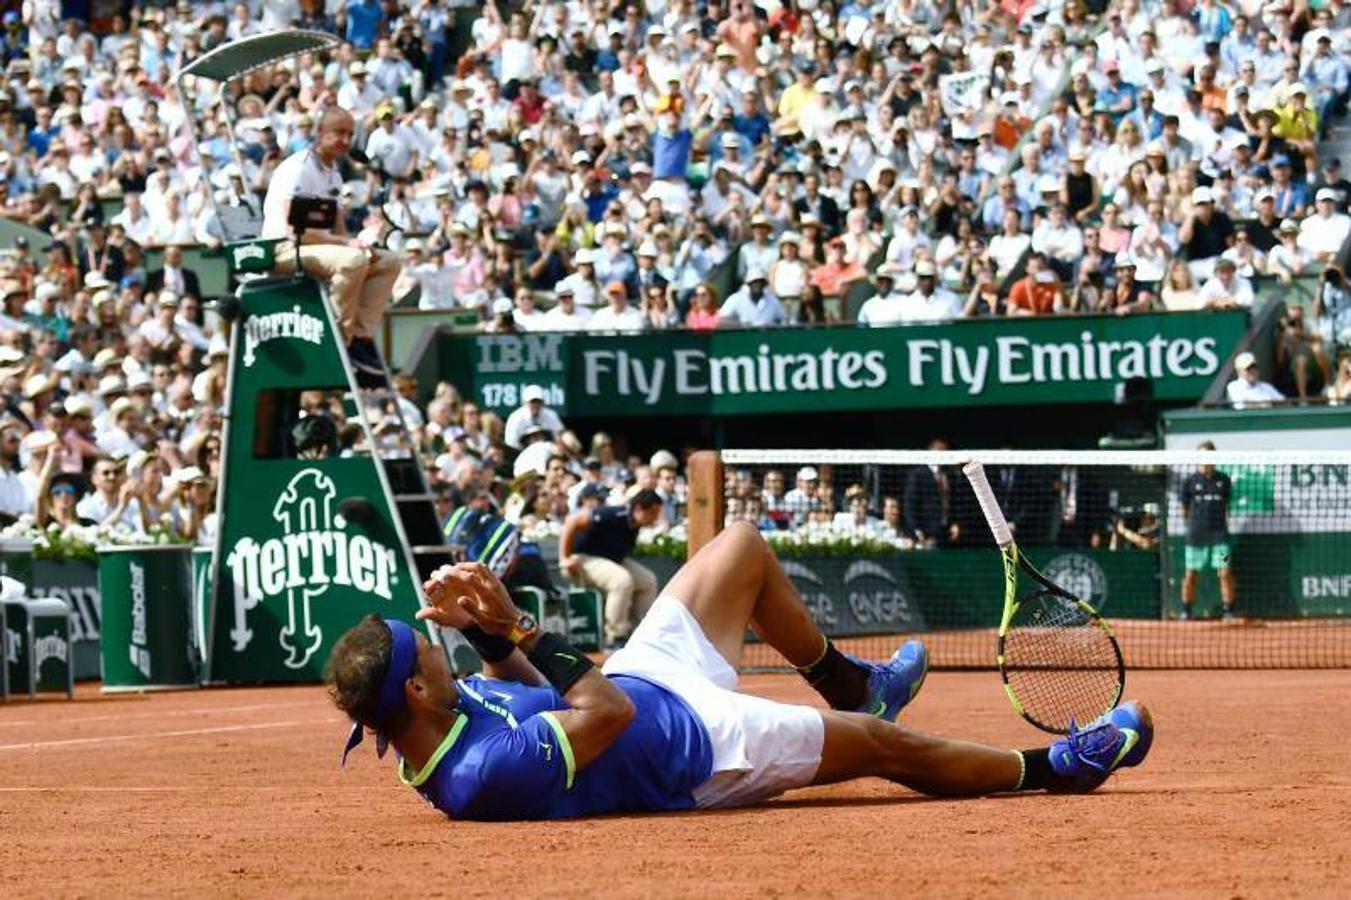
pixel 1244 361
pixel 1326 194
pixel 1298 88
pixel 1154 65
pixel 532 392
pixel 925 267
pixel 76 406
pixel 187 475
pixel 46 290
pixel 1202 195
pixel 790 237
pixel 138 380
pixel 502 306
pixel 647 248
pixel 756 274
pixel 583 257
pixel 37 385
pixel 808 473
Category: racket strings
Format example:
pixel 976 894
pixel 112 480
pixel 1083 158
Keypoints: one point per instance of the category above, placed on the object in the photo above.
pixel 1060 664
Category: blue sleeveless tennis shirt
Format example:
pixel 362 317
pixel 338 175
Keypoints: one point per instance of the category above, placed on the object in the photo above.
pixel 506 756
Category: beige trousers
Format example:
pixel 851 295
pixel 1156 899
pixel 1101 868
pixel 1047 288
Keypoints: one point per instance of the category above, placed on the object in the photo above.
pixel 625 585
pixel 358 286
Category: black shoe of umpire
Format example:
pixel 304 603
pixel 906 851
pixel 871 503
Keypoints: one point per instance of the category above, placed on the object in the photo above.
pixel 366 362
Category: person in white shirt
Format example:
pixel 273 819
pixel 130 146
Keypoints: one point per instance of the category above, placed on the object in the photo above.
pixel 360 278
pixel 582 282
pixel 1248 390
pixel 111 502
pixel 531 413
pixel 1226 289
pixel 619 315
pixel 802 499
pixel 1060 239
pixel 566 314
pixel 14 496
pixel 432 278
pixel 123 420
pixel 928 302
pixel 753 305
pixel 1322 234
pixel 393 146
pixel 134 220
pixel 886 306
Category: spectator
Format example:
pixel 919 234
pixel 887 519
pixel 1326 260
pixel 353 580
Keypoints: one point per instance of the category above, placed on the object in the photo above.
pixel 1322 234
pixel 1226 289
pixel 929 302
pixel 1301 362
pixel 1205 233
pixel 1127 295
pixel 887 306
pixel 619 315
pixel 1332 308
pixel 1248 390
pixel 927 503
pixel 1179 290
pixel 754 305
pixel 1038 292
pixel 531 412
pixel 802 499
pixel 595 550
pixel 1339 389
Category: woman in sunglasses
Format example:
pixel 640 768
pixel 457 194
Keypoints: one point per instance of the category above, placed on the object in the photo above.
pixel 58 492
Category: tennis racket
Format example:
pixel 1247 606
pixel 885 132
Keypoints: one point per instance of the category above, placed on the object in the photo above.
pixel 1059 660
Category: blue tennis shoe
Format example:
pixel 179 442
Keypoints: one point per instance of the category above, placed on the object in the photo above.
pixel 1085 757
pixel 895 683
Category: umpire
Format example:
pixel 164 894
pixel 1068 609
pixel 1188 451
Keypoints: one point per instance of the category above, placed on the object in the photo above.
pixel 595 550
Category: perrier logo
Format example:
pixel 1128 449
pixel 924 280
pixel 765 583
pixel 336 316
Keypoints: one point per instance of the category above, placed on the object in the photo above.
pixel 314 554
pixel 294 324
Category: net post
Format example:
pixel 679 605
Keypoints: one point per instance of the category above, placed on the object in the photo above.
pixel 707 504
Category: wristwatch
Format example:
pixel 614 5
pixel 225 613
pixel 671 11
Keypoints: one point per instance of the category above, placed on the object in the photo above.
pixel 525 627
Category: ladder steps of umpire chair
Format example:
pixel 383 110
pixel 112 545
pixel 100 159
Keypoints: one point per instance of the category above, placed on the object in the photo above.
pixel 413 498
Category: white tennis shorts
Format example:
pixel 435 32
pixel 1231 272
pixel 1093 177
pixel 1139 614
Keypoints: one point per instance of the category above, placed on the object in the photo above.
pixel 760 748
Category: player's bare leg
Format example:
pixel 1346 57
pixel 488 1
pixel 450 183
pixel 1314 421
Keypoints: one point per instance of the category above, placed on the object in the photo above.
pixel 1189 579
pixel 1226 576
pixel 735 582
pixel 860 746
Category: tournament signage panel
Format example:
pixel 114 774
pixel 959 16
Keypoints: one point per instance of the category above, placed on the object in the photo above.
pixel 292 570
pixel 978 363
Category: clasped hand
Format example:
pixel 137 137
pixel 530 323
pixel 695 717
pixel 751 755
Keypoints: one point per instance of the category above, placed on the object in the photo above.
pixel 468 593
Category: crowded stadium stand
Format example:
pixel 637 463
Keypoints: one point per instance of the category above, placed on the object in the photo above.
pixel 629 230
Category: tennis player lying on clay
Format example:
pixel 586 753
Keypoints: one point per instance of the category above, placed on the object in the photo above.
pixel 545 734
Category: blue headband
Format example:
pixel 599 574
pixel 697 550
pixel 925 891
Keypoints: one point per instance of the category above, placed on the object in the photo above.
pixel 402 657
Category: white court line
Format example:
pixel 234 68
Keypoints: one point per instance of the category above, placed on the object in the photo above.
pixel 78 720
pixel 129 789
pixel 73 742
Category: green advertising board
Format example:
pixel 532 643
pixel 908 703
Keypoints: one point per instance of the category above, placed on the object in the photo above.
pixel 147 628
pixel 1063 359
pixel 307 547
pixel 934 590
pixel 1290 530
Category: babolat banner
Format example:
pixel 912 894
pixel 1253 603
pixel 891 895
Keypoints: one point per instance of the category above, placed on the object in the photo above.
pixel 1071 359
pixel 308 546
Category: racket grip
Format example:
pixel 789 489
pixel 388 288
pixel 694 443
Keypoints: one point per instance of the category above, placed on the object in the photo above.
pixel 999 526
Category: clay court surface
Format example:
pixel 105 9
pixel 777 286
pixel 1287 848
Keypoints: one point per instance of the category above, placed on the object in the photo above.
pixel 237 792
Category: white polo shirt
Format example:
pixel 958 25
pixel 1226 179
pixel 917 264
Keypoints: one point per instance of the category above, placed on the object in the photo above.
pixel 299 175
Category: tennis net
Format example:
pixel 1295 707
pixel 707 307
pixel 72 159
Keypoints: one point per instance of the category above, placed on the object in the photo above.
pixel 886 544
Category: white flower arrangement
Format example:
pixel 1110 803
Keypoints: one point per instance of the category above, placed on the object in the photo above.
pixel 81 542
